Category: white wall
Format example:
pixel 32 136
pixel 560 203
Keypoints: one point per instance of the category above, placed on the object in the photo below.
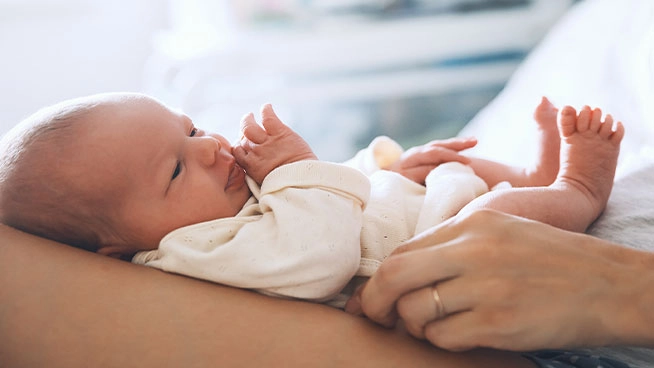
pixel 54 50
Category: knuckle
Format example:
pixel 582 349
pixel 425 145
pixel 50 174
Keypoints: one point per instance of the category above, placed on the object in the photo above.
pixel 387 274
pixel 446 340
pixel 384 274
pixel 404 310
pixel 376 314
pixel 414 329
pixel 370 311
pixel 416 332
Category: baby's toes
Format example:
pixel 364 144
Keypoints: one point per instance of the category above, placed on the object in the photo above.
pixel 596 120
pixel 606 127
pixel 568 121
pixel 618 134
pixel 583 120
pixel 545 110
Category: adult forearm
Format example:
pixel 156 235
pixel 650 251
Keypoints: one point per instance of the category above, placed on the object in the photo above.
pixel 627 311
pixel 61 307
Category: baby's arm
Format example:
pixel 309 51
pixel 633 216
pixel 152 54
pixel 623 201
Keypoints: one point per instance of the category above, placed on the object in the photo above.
pixel 263 149
pixel 301 240
pixel 418 161
pixel 383 153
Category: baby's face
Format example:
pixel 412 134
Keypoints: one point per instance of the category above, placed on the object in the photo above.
pixel 170 173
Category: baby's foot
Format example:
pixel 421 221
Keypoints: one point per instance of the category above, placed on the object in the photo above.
pixel 547 167
pixel 589 153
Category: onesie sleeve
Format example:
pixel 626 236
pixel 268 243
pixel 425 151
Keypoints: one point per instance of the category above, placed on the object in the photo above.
pixel 301 239
pixel 380 154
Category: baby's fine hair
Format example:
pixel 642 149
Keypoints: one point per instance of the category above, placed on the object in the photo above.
pixel 38 194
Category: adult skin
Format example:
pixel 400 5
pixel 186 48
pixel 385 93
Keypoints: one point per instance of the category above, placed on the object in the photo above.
pixel 513 284
pixel 62 307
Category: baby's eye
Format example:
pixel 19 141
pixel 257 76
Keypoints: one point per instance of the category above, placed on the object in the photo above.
pixel 176 172
pixel 194 131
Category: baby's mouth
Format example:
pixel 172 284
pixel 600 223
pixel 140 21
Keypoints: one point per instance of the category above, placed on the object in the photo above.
pixel 235 173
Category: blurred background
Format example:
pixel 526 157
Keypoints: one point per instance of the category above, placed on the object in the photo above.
pixel 338 71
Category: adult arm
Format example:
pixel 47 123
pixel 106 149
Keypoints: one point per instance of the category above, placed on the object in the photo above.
pixel 61 307
pixel 514 284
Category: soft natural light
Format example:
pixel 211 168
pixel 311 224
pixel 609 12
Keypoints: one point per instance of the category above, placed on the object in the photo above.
pixel 339 72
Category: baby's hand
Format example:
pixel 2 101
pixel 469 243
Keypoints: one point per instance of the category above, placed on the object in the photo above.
pixel 418 161
pixel 262 149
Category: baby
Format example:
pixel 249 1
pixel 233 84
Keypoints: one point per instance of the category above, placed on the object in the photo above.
pixel 125 176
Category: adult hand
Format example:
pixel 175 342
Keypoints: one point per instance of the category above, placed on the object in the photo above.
pixel 418 161
pixel 509 283
pixel 267 146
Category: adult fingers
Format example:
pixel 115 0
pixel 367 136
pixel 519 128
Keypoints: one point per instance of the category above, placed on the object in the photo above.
pixel 438 301
pixel 401 274
pixel 353 305
pixel 452 319
pixel 437 254
pixel 464 228
pixel 457 332
pixel 419 307
pixel 439 234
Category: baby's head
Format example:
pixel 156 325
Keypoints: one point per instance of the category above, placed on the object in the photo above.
pixel 114 173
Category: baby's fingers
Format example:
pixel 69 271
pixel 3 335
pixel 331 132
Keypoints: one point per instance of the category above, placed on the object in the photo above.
pixel 456 143
pixel 432 155
pixel 270 121
pixel 417 173
pixel 240 153
pixel 251 130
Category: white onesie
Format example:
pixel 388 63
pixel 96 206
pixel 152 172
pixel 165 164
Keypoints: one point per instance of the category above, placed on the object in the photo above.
pixel 312 226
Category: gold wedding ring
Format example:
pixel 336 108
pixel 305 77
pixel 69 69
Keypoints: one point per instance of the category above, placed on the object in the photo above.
pixel 440 308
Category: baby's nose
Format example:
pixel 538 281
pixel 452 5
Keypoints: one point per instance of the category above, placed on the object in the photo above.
pixel 208 148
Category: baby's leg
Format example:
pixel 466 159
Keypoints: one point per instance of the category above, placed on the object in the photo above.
pixel 544 170
pixel 549 146
pixel 589 154
pixel 449 188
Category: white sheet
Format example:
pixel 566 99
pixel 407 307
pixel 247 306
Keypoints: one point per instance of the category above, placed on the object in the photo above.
pixel 601 54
